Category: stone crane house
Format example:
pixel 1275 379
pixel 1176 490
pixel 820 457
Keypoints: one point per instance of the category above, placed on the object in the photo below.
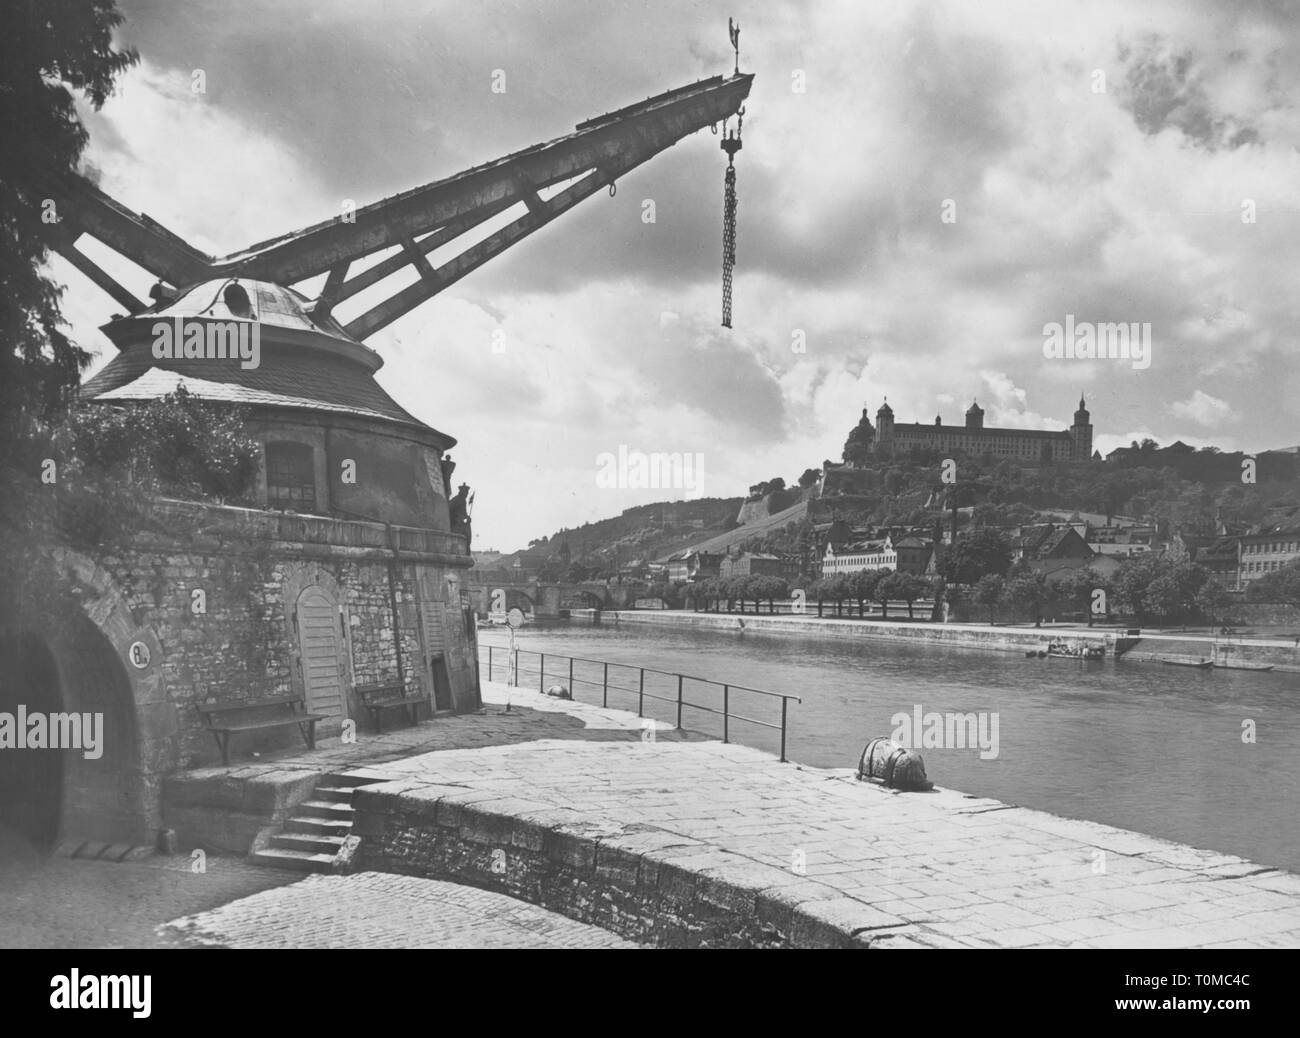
pixel 350 572
pixel 352 567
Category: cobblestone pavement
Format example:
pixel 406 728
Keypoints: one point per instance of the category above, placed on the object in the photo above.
pixel 937 868
pixel 380 910
pixel 68 903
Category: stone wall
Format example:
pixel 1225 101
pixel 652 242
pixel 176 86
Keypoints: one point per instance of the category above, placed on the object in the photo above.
pixel 244 647
pixel 626 882
pixel 390 475
pixel 210 597
pixel 1003 639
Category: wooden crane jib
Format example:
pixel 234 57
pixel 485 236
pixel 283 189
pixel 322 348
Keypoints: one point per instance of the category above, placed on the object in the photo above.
pixel 594 156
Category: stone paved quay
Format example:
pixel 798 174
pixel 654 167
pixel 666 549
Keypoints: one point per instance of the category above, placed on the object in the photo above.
pixel 894 869
pixel 380 910
pixel 875 866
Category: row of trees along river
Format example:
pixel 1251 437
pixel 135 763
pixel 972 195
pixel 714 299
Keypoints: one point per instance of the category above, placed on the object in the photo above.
pixel 1155 587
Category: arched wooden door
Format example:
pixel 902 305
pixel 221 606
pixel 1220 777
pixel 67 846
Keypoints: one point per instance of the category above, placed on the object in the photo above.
pixel 319 643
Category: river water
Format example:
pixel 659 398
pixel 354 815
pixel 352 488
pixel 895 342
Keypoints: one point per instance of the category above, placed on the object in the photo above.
pixel 1142 746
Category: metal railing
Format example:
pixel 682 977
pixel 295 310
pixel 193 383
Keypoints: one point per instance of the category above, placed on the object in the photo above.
pixel 512 672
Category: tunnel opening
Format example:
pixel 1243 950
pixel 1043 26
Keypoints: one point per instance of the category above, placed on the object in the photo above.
pixel 85 783
pixel 31 780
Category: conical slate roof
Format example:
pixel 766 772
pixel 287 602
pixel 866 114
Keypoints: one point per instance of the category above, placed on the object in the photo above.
pixel 307 361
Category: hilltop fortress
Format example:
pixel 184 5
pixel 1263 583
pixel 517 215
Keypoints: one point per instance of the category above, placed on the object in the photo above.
pixel 1032 445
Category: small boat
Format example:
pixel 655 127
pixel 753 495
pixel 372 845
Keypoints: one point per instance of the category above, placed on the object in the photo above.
pixel 1243 666
pixel 1082 652
pixel 1198 664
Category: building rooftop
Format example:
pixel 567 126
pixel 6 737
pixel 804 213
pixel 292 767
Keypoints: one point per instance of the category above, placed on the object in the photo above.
pixel 982 431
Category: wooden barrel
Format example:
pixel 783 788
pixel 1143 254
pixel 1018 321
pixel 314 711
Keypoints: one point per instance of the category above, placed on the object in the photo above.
pixel 892 765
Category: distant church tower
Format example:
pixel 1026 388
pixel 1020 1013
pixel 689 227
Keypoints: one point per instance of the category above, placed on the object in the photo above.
pixel 1081 433
pixel 974 416
pixel 885 426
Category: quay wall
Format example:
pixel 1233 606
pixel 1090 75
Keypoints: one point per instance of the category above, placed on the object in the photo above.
pixel 1000 639
pixel 650 886
pixel 1282 654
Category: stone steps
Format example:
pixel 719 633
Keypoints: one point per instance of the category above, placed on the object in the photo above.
pixel 313 837
pixel 303 861
pixel 314 842
pixel 326 809
pixel 325 826
pixel 335 794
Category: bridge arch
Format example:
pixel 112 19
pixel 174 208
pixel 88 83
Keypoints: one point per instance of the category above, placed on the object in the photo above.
pixel 588 597
pixel 507 596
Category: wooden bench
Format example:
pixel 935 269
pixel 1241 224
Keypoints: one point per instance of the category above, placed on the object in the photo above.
pixel 224 719
pixel 378 697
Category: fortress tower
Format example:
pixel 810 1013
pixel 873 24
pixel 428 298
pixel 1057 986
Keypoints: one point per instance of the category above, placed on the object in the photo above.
pixel 1081 433
pixel 884 426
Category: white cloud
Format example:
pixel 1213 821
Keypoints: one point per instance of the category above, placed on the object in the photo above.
pixel 1203 409
pixel 1066 203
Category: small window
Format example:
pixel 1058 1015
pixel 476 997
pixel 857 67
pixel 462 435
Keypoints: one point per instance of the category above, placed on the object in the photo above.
pixel 290 476
pixel 237 301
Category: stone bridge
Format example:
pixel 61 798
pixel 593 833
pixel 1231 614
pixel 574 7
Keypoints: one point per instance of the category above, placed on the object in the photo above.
pixel 544 598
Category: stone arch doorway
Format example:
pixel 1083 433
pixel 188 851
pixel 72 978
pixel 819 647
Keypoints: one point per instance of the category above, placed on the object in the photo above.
pixel 92 791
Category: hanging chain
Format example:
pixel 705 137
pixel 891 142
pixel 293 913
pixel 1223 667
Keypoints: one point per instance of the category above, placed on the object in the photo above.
pixel 728 241
pixel 730 144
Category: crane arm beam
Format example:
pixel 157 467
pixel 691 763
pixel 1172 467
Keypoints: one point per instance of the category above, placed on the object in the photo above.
pixel 418 221
pixel 642 130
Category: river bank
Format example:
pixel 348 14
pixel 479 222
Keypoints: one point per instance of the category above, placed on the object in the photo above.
pixel 686 843
pixel 1283 655
pixel 677 840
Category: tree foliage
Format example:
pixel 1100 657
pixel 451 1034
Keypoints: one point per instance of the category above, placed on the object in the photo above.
pixel 1282 585
pixel 48 51
pixel 989 592
pixel 981 552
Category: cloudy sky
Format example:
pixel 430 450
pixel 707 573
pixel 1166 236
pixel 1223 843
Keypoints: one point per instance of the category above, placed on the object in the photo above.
pixel 1115 164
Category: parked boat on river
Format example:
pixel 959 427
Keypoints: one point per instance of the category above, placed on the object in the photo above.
pixel 1075 652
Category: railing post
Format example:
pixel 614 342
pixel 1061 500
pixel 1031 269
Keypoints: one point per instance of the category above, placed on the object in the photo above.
pixel 489 663
pixel 784 704
pixel 604 687
pixel 640 696
pixel 570 675
pixel 541 674
pixel 679 701
pixel 726 696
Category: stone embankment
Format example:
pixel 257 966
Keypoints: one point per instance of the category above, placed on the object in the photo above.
pixel 1282 654
pixel 980 636
pixel 695 843
pixel 666 838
